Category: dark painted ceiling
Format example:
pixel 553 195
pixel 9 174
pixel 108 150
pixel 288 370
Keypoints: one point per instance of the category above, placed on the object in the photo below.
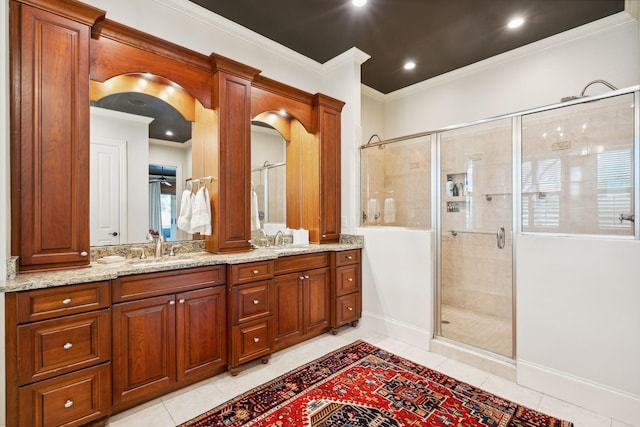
pixel 439 35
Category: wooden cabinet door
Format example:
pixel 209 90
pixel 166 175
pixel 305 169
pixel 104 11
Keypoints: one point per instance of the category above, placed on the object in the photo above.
pixel 287 306
pixel 144 348
pixel 316 304
pixel 201 333
pixel 50 140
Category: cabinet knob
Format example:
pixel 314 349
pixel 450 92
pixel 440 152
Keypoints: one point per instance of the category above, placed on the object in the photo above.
pixel 306 277
pixel 350 308
pixel 255 272
pixel 66 301
pixel 301 277
pixel 256 339
pixel 68 404
pixel 181 301
pixel 349 257
pixel 83 253
pixel 350 279
pixel 324 235
pixel 67 346
pixel 172 302
pixel 256 301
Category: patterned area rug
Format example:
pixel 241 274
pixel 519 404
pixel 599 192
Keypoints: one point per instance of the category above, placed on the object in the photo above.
pixel 363 386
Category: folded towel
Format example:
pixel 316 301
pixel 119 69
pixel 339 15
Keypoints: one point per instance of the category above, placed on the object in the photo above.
pixel 389 210
pixel 373 210
pixel 255 217
pixel 201 212
pixel 184 219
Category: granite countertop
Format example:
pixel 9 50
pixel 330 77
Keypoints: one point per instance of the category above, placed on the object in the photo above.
pixel 98 271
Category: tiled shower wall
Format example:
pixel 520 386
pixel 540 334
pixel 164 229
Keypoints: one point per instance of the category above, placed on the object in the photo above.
pixel 396 184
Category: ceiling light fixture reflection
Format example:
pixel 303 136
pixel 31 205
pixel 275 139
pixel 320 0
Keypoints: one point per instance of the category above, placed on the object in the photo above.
pixel 359 3
pixel 515 22
pixel 409 65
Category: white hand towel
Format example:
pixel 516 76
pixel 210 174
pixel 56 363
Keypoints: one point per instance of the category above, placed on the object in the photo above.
pixel 201 213
pixel 184 219
pixel 389 210
pixel 255 217
pixel 373 211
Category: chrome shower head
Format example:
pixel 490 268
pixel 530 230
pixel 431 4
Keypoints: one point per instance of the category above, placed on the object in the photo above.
pixel 582 94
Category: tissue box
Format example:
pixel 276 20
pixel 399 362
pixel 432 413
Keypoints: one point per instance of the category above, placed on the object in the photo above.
pixel 300 237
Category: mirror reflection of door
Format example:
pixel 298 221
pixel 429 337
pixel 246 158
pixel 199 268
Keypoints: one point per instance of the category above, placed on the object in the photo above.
pixel 163 201
pixel 108 216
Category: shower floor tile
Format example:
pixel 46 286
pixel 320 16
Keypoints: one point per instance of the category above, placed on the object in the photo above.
pixel 477 329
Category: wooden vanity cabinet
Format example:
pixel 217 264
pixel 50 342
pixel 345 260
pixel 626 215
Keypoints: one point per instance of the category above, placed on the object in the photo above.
pixel 58 356
pixel 346 290
pixel 50 133
pixel 249 313
pixel 169 330
pixel 301 298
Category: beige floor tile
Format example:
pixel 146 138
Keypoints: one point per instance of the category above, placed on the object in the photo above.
pixel 580 417
pixel 152 414
pixel 184 406
pixel 512 391
pixel 464 373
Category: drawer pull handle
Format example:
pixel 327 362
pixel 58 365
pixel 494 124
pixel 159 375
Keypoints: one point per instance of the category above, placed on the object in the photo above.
pixel 68 404
pixel 256 301
pixel 349 257
pixel 255 272
pixel 172 302
pixel 83 253
pixel 67 346
pixel 350 308
pixel 181 301
pixel 256 340
pixel 66 301
pixel 350 279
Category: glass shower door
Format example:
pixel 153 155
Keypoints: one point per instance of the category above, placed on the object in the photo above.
pixel 476 216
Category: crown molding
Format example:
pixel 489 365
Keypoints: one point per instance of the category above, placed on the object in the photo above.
pixel 348 57
pixel 239 32
pixel 372 93
pixel 584 31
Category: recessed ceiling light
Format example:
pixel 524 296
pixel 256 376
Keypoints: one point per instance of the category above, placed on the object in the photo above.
pixel 359 3
pixel 515 22
pixel 409 65
pixel 168 133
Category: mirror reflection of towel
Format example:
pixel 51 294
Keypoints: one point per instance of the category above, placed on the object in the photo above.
pixel 255 217
pixel 389 210
pixel 201 212
pixel 184 219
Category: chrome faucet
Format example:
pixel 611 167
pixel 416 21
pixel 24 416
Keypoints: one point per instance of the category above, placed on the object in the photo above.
pixel 158 241
pixel 173 248
pixel 279 236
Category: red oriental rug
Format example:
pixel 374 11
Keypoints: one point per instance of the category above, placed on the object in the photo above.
pixel 363 386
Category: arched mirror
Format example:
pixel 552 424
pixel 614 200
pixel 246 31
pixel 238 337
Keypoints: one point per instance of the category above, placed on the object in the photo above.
pixel 141 155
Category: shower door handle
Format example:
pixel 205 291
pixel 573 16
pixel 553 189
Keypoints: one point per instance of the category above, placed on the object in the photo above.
pixel 500 237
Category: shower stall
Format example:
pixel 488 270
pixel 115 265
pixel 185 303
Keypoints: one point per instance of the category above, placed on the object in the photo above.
pixel 569 169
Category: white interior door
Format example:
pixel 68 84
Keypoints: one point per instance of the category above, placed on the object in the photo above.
pixel 108 192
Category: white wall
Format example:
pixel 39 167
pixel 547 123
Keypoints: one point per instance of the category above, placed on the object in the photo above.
pixel 585 352
pixel 134 130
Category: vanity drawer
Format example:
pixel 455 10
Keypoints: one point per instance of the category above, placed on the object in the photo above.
pixel 250 301
pixel 348 257
pixel 251 340
pixel 251 272
pixel 48 303
pixel 347 279
pixel 70 400
pixel 347 308
pixel 295 263
pixel 137 286
pixel 54 347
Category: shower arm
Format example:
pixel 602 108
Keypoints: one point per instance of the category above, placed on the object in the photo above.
pixel 604 82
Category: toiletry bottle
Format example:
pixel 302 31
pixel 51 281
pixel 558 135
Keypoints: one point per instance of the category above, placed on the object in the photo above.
pixel 455 190
pixel 450 185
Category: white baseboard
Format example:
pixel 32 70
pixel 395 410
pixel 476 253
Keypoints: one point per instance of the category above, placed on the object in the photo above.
pixel 400 331
pixel 617 404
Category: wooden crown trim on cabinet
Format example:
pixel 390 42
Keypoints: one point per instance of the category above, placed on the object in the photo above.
pixel 71 9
